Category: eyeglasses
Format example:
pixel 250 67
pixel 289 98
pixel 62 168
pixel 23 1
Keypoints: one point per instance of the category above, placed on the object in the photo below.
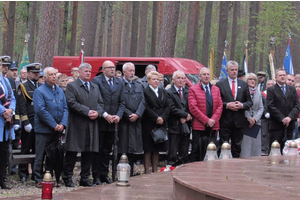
pixel 111 67
pixel 251 79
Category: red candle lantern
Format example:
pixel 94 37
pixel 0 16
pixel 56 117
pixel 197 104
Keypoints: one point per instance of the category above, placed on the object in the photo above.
pixel 47 186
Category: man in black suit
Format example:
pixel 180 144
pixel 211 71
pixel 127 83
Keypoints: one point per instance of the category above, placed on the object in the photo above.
pixel 110 88
pixel 236 99
pixel 179 114
pixel 283 105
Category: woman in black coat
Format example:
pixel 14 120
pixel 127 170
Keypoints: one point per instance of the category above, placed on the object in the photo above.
pixel 155 116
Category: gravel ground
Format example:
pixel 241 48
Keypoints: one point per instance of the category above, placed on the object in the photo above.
pixel 28 188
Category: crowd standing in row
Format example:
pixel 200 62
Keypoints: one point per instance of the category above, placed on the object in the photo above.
pixel 51 103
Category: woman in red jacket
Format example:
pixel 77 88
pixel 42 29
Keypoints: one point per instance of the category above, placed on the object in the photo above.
pixel 206 106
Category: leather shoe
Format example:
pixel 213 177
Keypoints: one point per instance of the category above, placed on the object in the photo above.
pixel 69 183
pixel 38 185
pixel 97 181
pixel 106 180
pixel 85 183
pixel 23 179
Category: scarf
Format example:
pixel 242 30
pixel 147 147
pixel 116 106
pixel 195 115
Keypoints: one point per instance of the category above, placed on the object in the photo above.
pixel 252 91
pixel 5 101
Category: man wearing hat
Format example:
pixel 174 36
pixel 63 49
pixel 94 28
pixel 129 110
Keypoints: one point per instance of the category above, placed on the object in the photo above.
pixel 261 80
pixel 26 112
pixel 5 63
pixel 241 74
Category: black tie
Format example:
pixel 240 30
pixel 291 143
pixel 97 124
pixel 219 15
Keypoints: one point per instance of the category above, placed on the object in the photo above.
pixel 208 95
pixel 86 86
pixel 110 83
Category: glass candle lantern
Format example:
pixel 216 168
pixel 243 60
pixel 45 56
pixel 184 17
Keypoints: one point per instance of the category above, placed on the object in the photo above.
pixel 123 171
pixel 275 149
pixel 47 186
pixel 211 152
pixel 225 151
pixel 293 149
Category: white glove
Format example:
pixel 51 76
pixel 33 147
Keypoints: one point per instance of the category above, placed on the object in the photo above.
pixel 28 128
pixel 16 127
pixel 267 115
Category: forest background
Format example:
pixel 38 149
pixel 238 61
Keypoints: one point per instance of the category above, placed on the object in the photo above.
pixel 185 29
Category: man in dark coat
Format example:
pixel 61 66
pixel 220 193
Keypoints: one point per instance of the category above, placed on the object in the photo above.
pixel 85 107
pixel 26 113
pixel 179 114
pixel 236 99
pixel 110 88
pixel 130 127
pixel 283 106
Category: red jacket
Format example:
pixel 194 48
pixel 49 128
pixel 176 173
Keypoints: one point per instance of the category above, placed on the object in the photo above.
pixel 197 106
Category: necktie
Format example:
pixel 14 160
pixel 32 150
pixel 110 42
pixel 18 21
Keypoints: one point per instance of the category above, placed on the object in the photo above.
pixel 179 91
pixel 283 90
pixel 110 83
pixel 86 86
pixel 208 95
pixel 233 89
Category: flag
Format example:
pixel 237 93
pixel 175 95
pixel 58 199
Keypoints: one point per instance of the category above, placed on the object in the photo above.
pixel 287 63
pixel 211 63
pixel 81 58
pixel 25 58
pixel 223 73
pixel 272 68
pixel 244 64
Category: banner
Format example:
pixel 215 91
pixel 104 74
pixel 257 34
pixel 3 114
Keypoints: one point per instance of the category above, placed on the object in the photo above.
pixel 287 63
pixel 211 63
pixel 25 58
pixel 81 58
pixel 272 68
pixel 245 66
pixel 223 73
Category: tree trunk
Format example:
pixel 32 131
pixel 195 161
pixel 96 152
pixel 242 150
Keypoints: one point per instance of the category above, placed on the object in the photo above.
pixel 169 27
pixel 143 29
pixel 47 32
pixel 5 24
pixel 118 39
pixel 10 29
pixel 189 44
pixel 236 9
pixel 254 9
pixel 196 34
pixel 89 21
pixel 134 28
pixel 102 29
pixel 222 34
pixel 63 38
pixel 295 43
pixel 109 28
pixel 31 29
pixel 206 33
pixel 74 28
pixel 153 29
pixel 126 31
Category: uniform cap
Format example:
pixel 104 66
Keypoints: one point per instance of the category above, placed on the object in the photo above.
pixel 33 67
pixel 13 65
pixel 5 60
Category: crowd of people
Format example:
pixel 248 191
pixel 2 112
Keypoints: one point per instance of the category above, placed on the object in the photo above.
pixel 39 107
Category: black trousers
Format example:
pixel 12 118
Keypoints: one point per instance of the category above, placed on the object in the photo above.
pixel 197 134
pixel 28 147
pixel 3 156
pixel 236 135
pixel 70 159
pixel 178 143
pixel 278 135
pixel 101 160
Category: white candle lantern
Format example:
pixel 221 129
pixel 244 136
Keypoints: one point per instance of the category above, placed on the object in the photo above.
pixel 225 151
pixel 123 171
pixel 293 149
pixel 275 149
pixel 211 152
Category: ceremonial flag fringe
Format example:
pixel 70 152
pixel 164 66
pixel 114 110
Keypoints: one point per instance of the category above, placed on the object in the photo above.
pixel 211 63
pixel 223 73
pixel 25 58
pixel 288 64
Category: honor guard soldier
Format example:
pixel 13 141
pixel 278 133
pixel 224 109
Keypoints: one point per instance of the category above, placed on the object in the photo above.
pixel 26 111
pixel 5 63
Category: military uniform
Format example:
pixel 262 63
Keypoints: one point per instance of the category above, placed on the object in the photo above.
pixel 26 112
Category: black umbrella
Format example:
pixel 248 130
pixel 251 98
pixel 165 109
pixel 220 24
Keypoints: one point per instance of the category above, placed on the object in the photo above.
pixel 115 153
pixel 8 127
pixel 55 153
pixel 204 142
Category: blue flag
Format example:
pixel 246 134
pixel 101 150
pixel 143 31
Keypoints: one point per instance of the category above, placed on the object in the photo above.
pixel 223 73
pixel 287 63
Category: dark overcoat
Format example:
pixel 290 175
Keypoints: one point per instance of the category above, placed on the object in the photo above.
pixel 155 107
pixel 130 133
pixel 112 100
pixel 82 134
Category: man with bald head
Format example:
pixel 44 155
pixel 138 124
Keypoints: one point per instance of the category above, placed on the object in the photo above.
pixel 110 88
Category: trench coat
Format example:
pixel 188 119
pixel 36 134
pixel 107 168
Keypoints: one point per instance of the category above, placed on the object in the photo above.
pixel 82 134
pixel 130 133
